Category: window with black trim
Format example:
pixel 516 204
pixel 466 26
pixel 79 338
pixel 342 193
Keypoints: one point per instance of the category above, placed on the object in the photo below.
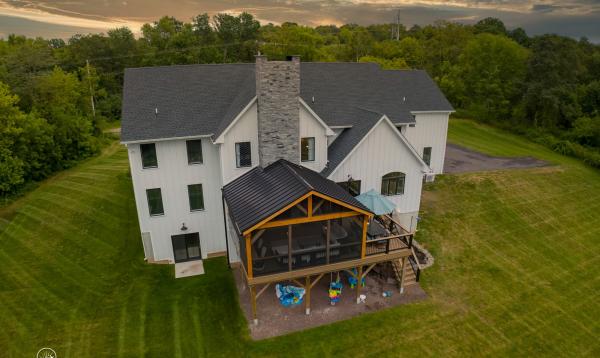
pixel 155 203
pixel 148 151
pixel 196 197
pixel 351 186
pixel 427 155
pixel 194 151
pixel 307 149
pixel 243 155
pixel 393 183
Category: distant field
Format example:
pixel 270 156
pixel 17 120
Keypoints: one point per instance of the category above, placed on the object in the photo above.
pixel 517 272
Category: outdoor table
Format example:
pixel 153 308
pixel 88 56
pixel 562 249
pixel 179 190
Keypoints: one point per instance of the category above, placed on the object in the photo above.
pixel 376 229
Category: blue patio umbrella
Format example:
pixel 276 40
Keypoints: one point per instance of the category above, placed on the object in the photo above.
pixel 376 202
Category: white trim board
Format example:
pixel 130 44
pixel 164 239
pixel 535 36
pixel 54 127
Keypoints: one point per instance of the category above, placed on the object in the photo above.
pixel 422 112
pixel 166 139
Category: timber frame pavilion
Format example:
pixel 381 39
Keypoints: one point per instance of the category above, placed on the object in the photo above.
pixel 292 224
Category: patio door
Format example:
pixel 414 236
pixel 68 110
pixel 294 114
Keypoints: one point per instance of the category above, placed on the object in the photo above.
pixel 186 247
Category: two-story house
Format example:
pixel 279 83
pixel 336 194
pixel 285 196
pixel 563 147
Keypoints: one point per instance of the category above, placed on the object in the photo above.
pixel 202 136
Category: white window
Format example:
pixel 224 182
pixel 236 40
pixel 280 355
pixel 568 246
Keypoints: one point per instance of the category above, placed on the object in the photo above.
pixel 307 149
pixel 155 203
pixel 427 155
pixel 149 155
pixel 393 184
pixel 194 151
pixel 243 155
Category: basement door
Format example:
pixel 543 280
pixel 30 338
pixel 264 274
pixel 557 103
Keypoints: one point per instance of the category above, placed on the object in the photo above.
pixel 186 247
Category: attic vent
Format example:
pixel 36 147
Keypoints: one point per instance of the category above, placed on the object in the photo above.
pixel 156 112
pixel 313 99
pixel 403 99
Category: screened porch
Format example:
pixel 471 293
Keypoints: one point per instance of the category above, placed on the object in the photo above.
pixel 314 231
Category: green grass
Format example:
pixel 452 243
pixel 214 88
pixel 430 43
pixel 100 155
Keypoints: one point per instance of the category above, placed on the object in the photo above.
pixel 73 277
pixel 516 272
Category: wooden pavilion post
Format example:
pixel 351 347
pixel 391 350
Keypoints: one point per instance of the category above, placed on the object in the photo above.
pixel 327 242
pixel 363 248
pixel 248 237
pixel 289 247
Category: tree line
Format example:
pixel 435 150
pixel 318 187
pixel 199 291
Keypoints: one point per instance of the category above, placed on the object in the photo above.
pixel 546 87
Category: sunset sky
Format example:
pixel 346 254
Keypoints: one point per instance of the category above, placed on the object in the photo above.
pixel 63 18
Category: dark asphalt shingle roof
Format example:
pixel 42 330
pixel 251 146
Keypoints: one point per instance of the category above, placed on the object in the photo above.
pixel 262 192
pixel 338 88
pixel 194 100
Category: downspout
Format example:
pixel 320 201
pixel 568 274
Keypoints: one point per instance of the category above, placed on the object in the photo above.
pixel 225 225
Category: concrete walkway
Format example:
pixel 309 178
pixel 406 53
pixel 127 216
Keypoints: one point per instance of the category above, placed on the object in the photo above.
pixel 190 268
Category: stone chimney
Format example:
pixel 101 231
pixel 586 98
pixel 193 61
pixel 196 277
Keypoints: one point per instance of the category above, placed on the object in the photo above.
pixel 278 92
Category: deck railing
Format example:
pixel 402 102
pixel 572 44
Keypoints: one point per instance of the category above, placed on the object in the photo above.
pixel 387 244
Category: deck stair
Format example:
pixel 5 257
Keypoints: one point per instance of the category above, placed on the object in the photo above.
pixel 410 277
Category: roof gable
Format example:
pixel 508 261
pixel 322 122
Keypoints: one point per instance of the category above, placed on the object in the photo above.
pixel 262 192
pixel 343 150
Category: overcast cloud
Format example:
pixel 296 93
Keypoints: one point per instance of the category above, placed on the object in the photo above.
pixel 62 18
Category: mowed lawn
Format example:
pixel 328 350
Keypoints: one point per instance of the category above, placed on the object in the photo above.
pixel 517 272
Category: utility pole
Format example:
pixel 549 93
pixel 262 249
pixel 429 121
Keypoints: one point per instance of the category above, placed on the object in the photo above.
pixel 398 26
pixel 87 66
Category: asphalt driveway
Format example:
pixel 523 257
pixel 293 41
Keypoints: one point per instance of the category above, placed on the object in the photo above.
pixel 462 160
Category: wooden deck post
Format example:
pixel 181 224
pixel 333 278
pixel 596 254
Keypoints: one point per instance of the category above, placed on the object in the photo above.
pixel 327 241
pixel 307 287
pixel 358 281
pixel 289 247
pixel 253 303
pixel 363 248
pixel 402 275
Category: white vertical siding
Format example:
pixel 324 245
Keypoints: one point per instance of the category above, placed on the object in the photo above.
pixel 244 130
pixel 382 152
pixel 311 127
pixel 431 130
pixel 173 175
pixel 234 242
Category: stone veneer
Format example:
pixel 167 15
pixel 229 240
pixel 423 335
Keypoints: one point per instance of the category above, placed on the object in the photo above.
pixel 278 92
